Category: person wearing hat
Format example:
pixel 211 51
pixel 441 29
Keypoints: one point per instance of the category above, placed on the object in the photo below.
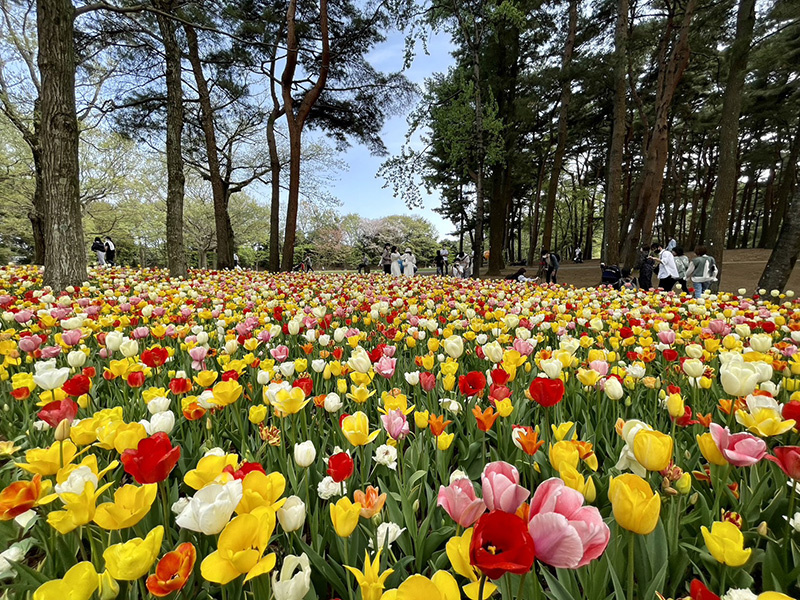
pixel 409 263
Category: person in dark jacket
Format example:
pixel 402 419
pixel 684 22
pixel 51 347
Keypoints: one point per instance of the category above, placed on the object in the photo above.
pixel 111 251
pixel 645 264
pixel 99 250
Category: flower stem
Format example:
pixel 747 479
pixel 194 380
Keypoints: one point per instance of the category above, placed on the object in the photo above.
pixel 631 562
pixel 481 586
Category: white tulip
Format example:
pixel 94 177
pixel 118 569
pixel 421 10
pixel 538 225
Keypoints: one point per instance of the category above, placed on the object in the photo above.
pixel 292 515
pixel 295 578
pixel 211 508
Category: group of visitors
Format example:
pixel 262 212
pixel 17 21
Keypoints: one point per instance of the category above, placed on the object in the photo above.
pixel 106 252
pixel 396 264
pixel 673 267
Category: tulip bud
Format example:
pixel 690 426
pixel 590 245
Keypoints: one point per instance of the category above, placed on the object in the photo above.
pixel 684 484
pixel 694 498
pixel 108 588
pixel 305 454
pixel 209 424
pixel 292 514
pixel 63 429
pixel 763 529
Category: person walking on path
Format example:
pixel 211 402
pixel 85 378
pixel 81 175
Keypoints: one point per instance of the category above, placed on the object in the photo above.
pixel 682 264
pixel 667 270
pixel 702 271
pixel 551 266
pixel 409 263
pixel 386 259
pixel 645 265
pixel 395 262
pixel 363 266
pixel 111 251
pixel 99 250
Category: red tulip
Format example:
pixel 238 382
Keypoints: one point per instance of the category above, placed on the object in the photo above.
pixel 472 384
pixel 155 357
pixel 546 392
pixel 55 412
pixel 180 386
pixel 791 410
pixel 136 379
pixel 670 355
pixel 172 571
pixel 153 459
pixel 699 591
pixel 500 376
pixel 501 544
pixel 242 471
pixel 305 384
pixel 788 459
pixel 340 466
pixel 78 385
pixel 427 381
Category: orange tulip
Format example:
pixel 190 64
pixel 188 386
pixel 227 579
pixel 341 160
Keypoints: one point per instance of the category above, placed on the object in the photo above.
pixel 172 571
pixel 437 425
pixel 371 502
pixel 20 497
pixel 485 418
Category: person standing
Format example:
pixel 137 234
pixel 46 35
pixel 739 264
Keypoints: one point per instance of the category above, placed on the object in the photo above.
pixel 445 260
pixel 99 250
pixel 439 262
pixel 111 251
pixel 667 270
pixel 551 266
pixel 236 261
pixel 645 264
pixel 409 263
pixel 386 259
pixel 395 262
pixel 682 264
pixel 702 271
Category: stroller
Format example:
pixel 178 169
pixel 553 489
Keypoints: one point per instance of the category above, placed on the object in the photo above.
pixel 610 275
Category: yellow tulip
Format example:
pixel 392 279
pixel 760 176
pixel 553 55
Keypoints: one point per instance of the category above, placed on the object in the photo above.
pixel 588 377
pixel 449 382
pixel 773 596
pixel 360 394
pixel 504 407
pixel 79 509
pixel 241 547
pixel 79 583
pixel 725 542
pixel 370 580
pixel 131 504
pixel 227 392
pixel 47 461
pixel 131 560
pixel 675 406
pixel 120 436
pixel 257 414
pixel 290 402
pixel 341 385
pixel 444 440
pixel 442 586
pixel 421 418
pixel 710 450
pixel 260 490
pixel 344 516
pixel 560 432
pixel 209 469
pixel 205 378
pixel 563 454
pixel 356 429
pixel 636 507
pixel 765 422
pixel 653 449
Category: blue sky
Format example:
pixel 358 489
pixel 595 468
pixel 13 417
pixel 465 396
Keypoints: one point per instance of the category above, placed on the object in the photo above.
pixel 358 188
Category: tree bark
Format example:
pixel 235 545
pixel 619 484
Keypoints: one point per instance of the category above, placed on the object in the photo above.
pixel 176 255
pixel 781 196
pixel 670 73
pixel 296 120
pixel 275 205
pixel 65 254
pixel 614 184
pixel 725 191
pixel 36 214
pixel 563 112
pixel 784 255
pixel 222 219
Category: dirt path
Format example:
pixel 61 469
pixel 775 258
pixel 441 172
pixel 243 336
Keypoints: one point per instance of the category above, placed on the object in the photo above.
pixel 742 269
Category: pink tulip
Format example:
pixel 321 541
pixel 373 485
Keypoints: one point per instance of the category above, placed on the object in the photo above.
pixel 389 351
pixel 23 316
pixel 280 353
pixel 524 347
pixel 666 337
pixel 739 449
pixel 50 352
pixel 396 424
pixel 719 327
pixel 566 534
pixel 599 366
pixel 72 337
pixel 501 489
pixel 159 311
pixel 385 367
pixel 460 502
pixel 427 381
pixel 198 355
pixel 30 344
pixel 140 333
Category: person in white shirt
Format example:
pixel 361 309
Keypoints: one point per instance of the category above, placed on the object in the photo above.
pixel 409 263
pixel 667 269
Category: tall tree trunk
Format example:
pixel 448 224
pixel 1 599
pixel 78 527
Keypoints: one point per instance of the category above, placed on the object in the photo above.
pixel 784 255
pixel 176 253
pixel 563 112
pixel 536 201
pixel 37 212
pixel 783 193
pixel 295 120
pixel 222 219
pixel 614 183
pixel 65 253
pixel 275 201
pixel 725 191
pixel 670 73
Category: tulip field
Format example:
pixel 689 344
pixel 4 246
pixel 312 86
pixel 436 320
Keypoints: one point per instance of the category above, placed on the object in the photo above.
pixel 309 436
